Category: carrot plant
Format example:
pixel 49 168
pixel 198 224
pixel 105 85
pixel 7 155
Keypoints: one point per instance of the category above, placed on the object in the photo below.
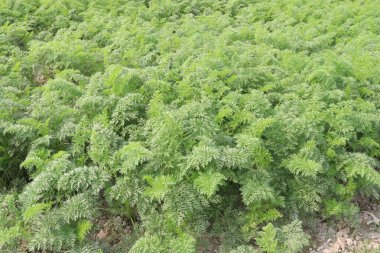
pixel 231 120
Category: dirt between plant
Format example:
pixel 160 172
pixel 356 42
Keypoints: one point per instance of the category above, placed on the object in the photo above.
pixel 342 239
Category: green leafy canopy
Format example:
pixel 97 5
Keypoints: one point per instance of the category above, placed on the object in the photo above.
pixel 194 124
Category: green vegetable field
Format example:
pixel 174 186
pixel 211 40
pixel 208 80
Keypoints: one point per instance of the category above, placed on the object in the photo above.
pixel 180 126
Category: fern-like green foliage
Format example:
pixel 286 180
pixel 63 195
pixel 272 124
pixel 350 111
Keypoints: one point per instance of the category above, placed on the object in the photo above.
pixel 208 183
pixel 159 186
pixel 267 239
pixel 256 189
pixel 288 238
pixel 83 228
pixel 244 249
pixel 292 238
pixel 34 210
pixel 150 244
pixel 303 166
pixel 83 178
pixel 199 123
pixel 8 235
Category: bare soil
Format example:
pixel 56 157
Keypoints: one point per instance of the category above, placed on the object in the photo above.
pixel 365 238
